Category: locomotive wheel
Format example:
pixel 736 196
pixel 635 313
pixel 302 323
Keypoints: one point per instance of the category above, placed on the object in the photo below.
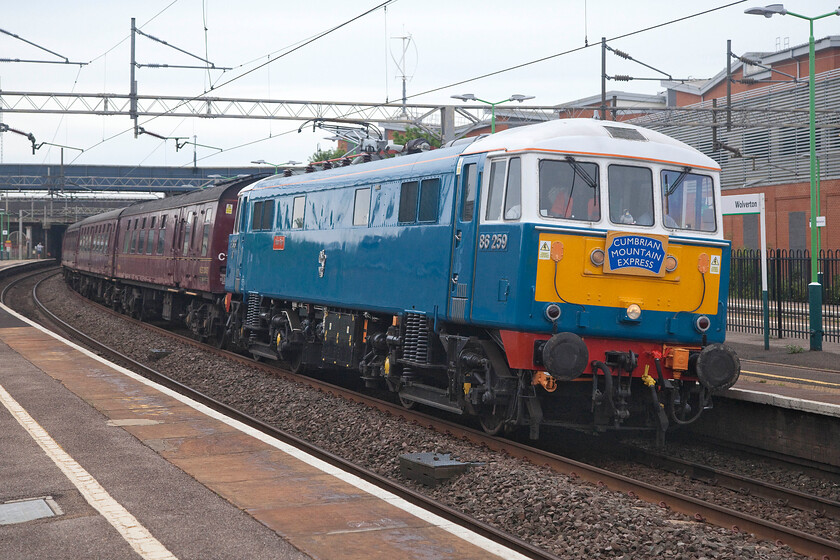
pixel 492 420
pixel 296 363
pixel 407 404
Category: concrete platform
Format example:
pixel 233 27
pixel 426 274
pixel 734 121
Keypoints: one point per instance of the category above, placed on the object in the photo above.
pixel 134 469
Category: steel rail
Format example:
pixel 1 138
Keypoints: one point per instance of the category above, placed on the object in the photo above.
pixel 415 498
pixel 735 482
pixel 694 508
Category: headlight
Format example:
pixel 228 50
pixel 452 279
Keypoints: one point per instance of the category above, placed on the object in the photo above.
pixel 634 311
pixel 596 257
pixel 553 312
pixel 702 323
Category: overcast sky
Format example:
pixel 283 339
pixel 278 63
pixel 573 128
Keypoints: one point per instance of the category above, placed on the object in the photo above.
pixel 452 40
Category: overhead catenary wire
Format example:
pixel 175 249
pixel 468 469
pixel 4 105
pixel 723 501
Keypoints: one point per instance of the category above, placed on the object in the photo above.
pixel 439 88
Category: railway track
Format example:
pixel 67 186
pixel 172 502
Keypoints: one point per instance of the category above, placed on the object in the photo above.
pixel 696 509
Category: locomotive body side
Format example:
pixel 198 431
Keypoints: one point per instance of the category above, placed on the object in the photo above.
pixel 348 246
pixel 483 279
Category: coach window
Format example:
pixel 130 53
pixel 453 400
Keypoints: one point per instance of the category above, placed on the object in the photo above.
pixel 361 207
pixel 470 176
pixel 188 232
pixel 141 241
pixel 631 195
pixel 205 238
pixel 569 189
pixel 127 240
pixel 134 237
pixel 297 212
pixel 688 201
pixel 408 202
pixel 151 238
pixel 161 235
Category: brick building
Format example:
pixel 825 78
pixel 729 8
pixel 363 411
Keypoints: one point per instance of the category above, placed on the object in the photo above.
pixel 766 148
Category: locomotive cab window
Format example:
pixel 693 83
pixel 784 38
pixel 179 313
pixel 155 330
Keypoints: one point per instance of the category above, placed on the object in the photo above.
pixel 361 207
pixel 688 201
pixel 631 195
pixel 505 190
pixel 570 189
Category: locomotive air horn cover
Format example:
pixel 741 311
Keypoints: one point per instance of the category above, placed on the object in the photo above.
pixel 565 356
pixel 718 367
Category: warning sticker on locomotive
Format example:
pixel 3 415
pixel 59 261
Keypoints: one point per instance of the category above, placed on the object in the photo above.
pixel 279 242
pixel 714 265
pixel 545 250
pixel 640 255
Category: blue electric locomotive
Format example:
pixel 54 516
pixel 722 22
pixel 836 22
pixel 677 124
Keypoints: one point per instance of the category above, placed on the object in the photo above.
pixel 568 273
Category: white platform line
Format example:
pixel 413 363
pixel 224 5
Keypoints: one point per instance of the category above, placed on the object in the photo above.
pixel 137 536
pixel 461 532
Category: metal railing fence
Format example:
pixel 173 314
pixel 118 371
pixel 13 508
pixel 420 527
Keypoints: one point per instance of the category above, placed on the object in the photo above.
pixel 788 277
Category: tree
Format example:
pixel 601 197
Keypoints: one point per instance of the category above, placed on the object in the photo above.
pixel 324 155
pixel 412 132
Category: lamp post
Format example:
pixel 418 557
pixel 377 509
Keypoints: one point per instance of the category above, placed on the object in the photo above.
pixel 471 97
pixel 275 165
pixel 815 287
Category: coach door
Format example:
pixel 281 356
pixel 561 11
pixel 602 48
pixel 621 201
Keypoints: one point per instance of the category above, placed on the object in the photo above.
pixel 462 270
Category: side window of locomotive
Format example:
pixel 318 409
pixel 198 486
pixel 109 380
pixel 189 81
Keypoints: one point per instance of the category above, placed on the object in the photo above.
pixel 161 235
pixel 496 191
pixel 570 190
pixel 688 201
pixel 513 190
pixel 361 207
pixel 429 200
pixel 205 237
pixel 631 195
pixel 469 178
pixel 505 190
pixel 267 221
pixel 297 212
pixel 408 202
